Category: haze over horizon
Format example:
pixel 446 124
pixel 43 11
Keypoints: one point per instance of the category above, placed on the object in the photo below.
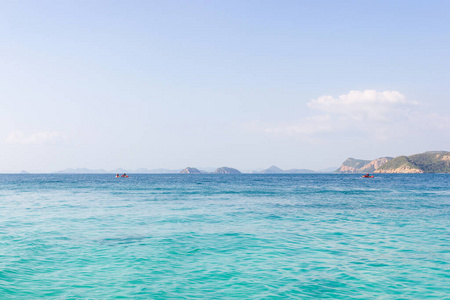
pixel 171 84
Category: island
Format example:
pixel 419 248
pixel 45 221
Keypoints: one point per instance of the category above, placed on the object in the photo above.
pixel 427 162
pixel 352 165
pixel 226 170
pixel 276 170
pixel 190 170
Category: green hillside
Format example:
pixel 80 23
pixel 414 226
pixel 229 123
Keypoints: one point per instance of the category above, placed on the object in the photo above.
pixel 355 163
pixel 432 162
pixel 400 162
pixel 352 165
pixel 428 162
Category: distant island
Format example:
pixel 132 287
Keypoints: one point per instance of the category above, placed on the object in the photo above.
pixel 227 170
pixel 222 170
pixel 190 170
pixel 276 170
pixel 427 162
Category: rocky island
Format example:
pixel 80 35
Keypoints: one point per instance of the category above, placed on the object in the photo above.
pixel 190 170
pixel 352 165
pixel 226 170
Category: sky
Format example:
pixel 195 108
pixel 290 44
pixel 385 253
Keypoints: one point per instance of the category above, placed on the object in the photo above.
pixel 243 84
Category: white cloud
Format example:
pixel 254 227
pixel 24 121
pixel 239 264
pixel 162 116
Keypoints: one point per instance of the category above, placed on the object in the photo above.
pixel 42 137
pixel 382 116
pixel 363 105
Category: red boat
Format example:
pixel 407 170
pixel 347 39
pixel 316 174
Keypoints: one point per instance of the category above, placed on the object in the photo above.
pixel 367 176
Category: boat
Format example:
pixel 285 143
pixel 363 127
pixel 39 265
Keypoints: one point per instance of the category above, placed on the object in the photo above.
pixel 367 176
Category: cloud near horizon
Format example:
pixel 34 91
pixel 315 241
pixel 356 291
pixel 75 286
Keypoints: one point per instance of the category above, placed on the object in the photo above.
pixel 380 115
pixel 42 137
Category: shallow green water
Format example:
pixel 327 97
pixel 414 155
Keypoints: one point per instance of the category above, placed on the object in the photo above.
pixel 224 236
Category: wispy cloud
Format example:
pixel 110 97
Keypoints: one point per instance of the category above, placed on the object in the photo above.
pixel 381 115
pixel 42 137
pixel 308 126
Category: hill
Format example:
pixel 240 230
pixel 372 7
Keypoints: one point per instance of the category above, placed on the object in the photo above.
pixel 189 170
pixel 226 170
pixel 351 165
pixel 272 170
pixel 428 162
pixel 375 164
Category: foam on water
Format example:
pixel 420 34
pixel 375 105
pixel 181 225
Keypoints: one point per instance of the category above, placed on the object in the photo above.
pixel 224 236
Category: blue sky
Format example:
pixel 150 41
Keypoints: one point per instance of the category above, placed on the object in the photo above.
pixel 246 84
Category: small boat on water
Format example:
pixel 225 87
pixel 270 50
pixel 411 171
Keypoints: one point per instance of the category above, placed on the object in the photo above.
pixel 367 176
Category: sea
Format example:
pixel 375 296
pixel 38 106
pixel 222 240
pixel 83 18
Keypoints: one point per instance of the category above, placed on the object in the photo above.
pixel 211 236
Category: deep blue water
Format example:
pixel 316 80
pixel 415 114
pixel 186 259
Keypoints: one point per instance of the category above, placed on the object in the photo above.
pixel 225 236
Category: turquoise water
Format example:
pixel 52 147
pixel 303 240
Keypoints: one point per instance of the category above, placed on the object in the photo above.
pixel 225 236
